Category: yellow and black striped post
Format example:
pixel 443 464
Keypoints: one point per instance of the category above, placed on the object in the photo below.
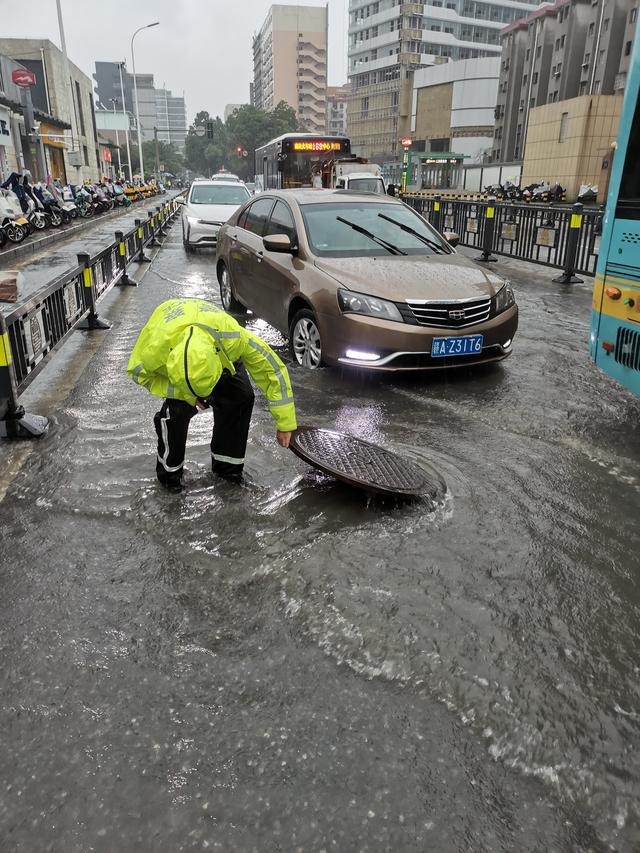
pixel 122 261
pixel 153 228
pixel 571 252
pixel 142 258
pixel 489 230
pixel 436 217
pixel 14 421
pixel 92 323
pixel 160 219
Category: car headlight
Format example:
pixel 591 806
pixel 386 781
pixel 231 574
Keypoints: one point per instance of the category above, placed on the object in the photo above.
pixel 504 298
pixel 192 220
pixel 371 306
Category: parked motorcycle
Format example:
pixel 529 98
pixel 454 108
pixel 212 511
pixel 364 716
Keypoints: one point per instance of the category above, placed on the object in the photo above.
pixel 12 218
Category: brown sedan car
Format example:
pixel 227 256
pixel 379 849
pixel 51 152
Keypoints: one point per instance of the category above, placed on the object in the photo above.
pixel 361 279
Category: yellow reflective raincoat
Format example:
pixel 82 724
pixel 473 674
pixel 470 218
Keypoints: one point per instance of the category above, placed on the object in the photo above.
pixel 184 347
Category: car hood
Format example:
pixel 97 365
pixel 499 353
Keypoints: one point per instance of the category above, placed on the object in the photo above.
pixel 211 212
pixel 437 277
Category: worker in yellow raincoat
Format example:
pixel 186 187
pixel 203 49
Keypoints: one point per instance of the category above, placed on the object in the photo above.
pixel 194 355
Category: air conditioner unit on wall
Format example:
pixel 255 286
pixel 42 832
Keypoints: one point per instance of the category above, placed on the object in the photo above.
pixel 75 158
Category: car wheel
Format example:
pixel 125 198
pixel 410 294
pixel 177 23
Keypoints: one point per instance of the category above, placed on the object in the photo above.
pixel 227 297
pixel 186 244
pixel 304 340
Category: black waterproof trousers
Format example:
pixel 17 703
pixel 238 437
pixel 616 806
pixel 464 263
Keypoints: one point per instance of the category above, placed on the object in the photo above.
pixel 232 405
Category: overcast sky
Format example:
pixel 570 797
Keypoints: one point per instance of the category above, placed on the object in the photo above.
pixel 202 47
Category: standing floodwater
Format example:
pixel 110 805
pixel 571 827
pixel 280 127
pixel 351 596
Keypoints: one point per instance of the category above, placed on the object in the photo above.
pixel 288 666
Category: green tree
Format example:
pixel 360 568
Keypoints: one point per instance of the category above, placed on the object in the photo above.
pixel 170 157
pixel 247 129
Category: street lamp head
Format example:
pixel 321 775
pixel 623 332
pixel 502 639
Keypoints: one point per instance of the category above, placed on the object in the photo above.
pixel 154 24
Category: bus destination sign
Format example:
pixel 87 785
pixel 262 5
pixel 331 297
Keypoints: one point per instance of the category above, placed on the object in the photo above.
pixel 316 145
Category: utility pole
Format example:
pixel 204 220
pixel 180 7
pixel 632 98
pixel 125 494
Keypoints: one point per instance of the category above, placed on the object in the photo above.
pixel 68 84
pixel 155 139
pixel 126 134
pixel 114 101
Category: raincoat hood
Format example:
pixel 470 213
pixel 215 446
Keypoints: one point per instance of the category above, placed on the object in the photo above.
pixel 193 362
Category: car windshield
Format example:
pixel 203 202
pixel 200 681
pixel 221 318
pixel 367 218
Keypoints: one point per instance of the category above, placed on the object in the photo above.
pixel 367 185
pixel 211 194
pixel 331 230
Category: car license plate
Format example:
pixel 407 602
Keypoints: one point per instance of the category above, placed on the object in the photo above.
pixel 451 347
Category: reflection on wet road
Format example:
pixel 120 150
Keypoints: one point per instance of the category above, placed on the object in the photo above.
pixel 287 666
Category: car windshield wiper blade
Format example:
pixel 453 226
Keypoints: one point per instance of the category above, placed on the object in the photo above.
pixel 437 248
pixel 388 246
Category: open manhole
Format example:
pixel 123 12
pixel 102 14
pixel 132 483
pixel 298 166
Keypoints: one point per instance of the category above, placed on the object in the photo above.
pixel 364 465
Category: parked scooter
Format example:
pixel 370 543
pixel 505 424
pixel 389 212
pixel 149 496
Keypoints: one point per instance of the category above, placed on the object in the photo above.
pixel 67 206
pixel 14 222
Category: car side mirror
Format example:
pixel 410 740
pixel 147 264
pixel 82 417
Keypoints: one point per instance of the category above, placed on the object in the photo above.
pixel 452 238
pixel 277 243
pixel 180 199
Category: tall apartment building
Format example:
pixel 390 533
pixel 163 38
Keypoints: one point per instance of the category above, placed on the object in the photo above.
pixel 158 107
pixel 559 52
pixel 337 97
pixel 290 63
pixel 389 39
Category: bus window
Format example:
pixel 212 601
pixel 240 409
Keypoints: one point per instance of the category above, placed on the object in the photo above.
pixel 630 182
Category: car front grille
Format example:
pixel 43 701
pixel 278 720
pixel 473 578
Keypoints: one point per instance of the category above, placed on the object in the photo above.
pixel 627 351
pixel 446 315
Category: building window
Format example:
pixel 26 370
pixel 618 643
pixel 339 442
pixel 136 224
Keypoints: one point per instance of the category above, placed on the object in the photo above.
pixel 558 69
pixel 528 54
pixel 562 41
pixel 555 97
pixel 563 127
pixel 592 28
pixel 583 88
pixel 85 152
pixel 365 107
pixel 535 78
pixel 605 26
pixel 539 51
pixel 633 14
pixel 627 48
pixel 524 79
pixel 587 59
pixel 557 45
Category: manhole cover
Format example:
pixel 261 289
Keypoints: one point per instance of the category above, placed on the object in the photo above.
pixel 362 464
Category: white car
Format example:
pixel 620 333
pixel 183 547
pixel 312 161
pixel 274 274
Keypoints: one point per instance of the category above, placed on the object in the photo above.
pixel 207 206
pixel 225 176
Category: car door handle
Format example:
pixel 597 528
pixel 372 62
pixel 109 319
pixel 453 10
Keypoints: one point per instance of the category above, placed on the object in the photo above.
pixel 259 256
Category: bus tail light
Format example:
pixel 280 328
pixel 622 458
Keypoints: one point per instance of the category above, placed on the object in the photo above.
pixel 613 292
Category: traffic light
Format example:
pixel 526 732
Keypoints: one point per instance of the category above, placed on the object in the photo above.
pixel 209 125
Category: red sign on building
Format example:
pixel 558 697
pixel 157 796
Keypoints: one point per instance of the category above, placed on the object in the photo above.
pixel 406 142
pixel 23 77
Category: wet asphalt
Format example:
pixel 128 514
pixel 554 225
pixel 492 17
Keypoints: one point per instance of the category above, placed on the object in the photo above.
pixel 287 666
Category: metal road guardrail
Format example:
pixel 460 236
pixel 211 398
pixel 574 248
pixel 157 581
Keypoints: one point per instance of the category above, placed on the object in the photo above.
pixel 567 238
pixel 31 334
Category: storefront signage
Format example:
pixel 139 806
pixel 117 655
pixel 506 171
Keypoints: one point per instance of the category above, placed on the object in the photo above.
pixel 23 77
pixel 52 136
pixel 546 237
pixel 316 145
pixel 107 155
pixel 5 127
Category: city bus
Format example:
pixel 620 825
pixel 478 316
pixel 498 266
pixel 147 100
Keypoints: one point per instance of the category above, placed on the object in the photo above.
pixel 297 160
pixel 615 322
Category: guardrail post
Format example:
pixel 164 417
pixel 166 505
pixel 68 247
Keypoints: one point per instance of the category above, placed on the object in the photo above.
pixel 160 218
pixel 152 226
pixel 142 258
pixel 93 322
pixel 122 261
pixel 14 421
pixel 489 229
pixel 436 213
pixel 571 253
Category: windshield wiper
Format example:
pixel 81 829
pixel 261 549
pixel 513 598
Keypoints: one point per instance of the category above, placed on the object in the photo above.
pixel 388 246
pixel 437 248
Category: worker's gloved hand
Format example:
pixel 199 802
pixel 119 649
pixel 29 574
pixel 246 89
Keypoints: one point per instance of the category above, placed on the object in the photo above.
pixel 283 438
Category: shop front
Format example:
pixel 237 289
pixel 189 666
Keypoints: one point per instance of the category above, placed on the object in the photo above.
pixel 7 152
pixel 53 141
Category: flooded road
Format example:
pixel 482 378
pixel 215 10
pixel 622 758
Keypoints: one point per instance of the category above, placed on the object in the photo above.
pixel 285 666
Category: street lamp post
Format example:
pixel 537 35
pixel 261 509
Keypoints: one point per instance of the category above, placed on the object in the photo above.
pixel 114 101
pixel 135 90
pixel 126 133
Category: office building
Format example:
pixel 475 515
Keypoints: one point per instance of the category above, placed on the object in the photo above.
pixel 171 118
pixel 337 110
pixel 559 52
pixel 290 63
pixel 230 109
pixel 388 41
pixel 159 108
